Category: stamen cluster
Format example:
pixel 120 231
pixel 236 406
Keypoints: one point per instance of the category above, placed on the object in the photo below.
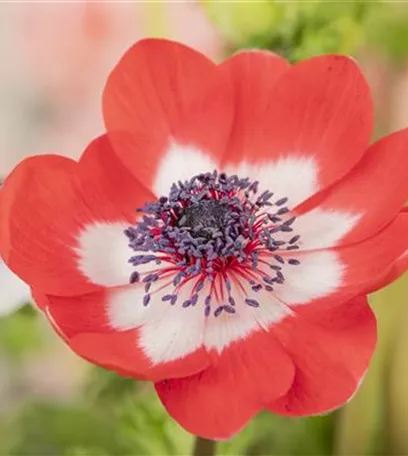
pixel 213 229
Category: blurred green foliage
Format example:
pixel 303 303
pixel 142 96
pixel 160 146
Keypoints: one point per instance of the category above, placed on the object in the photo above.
pixel 121 417
pixel 118 416
pixel 301 29
pixel 296 30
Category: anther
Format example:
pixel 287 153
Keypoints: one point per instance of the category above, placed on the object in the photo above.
pixel 207 227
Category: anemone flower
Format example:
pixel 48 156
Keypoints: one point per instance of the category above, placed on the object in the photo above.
pixel 220 239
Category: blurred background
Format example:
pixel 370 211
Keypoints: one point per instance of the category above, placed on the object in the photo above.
pixel 54 59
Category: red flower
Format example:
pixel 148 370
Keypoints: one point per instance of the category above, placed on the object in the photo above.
pixel 238 289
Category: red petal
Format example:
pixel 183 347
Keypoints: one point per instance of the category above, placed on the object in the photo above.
pixel 41 210
pixel 363 264
pixel 319 109
pixel 218 402
pixel 40 299
pixel 48 200
pixel 66 312
pixel 253 75
pixel 331 346
pixel 397 269
pixel 366 262
pixel 79 314
pixel 108 186
pixel 120 351
pixel 376 188
pixel 162 91
pixel 82 322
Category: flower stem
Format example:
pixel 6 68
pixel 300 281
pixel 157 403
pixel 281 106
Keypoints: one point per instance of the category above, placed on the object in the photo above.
pixel 204 447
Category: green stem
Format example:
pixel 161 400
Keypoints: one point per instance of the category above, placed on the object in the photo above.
pixel 204 447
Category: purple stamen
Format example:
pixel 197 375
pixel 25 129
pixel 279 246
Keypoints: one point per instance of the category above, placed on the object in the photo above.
pixel 229 309
pixel 252 302
pixel 205 226
pixel 135 277
pixel 293 261
pixel 279 259
pixel 281 201
pixel 218 312
pixel 187 303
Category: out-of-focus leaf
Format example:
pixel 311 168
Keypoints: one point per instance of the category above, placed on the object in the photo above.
pixel 386 30
pixel 105 386
pixel 242 21
pixel 397 382
pixel 296 30
pixel 291 436
pixel 154 21
pixel 146 427
pixel 78 451
pixel 51 429
pixel 141 420
pixel 149 429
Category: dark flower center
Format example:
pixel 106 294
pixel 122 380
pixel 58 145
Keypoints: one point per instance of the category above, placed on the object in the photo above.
pixel 205 218
pixel 213 231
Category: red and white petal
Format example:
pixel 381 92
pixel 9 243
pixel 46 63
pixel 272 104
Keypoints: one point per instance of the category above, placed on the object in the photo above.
pixel 102 247
pixel 292 177
pixel 318 275
pixel 180 163
pixel 345 271
pixel 103 253
pixel 160 93
pixel 366 262
pixel 253 74
pixel 320 228
pixel 63 222
pixel 227 328
pixel 331 346
pixel 253 370
pixel 365 200
pixel 41 210
pixel 121 351
pixel 318 121
pixel 113 328
pixel 167 332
